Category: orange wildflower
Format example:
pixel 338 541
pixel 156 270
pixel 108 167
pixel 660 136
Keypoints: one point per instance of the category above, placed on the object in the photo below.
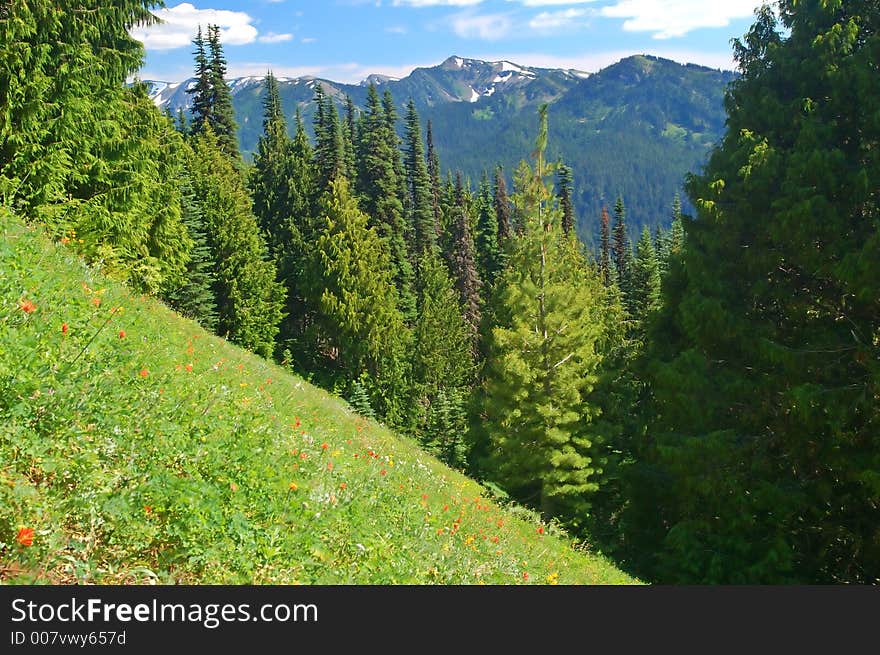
pixel 64 328
pixel 25 536
pixel 96 301
pixel 233 487
pixel 343 486
pixel 189 368
pixel 27 306
pixel 292 486
pixel 148 509
pixel 329 466
pixel 122 334
pixel 144 373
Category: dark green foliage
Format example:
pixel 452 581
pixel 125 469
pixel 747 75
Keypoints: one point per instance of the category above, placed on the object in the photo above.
pixel 359 399
pixel 605 267
pixel 646 278
pixel 764 459
pixel 330 156
pixel 422 218
pixel 358 327
pixel 379 192
pixel 463 265
pixel 434 177
pixel 565 193
pixel 201 109
pixel 222 116
pixel 622 256
pixel 489 262
pixel 194 296
pixel 502 207
pixel 249 299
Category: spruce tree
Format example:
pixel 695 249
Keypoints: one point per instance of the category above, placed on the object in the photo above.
pixel 422 218
pixel 359 321
pixel 202 107
pixel 329 141
pixel 463 264
pixel 249 299
pixel 502 207
pixel 488 253
pixel 646 278
pixel 222 115
pixel 434 177
pixel 543 361
pixel 605 248
pixel 621 253
pixel 565 193
pixel 379 192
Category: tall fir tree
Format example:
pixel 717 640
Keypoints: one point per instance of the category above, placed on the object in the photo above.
pixel 222 116
pixel 646 278
pixel 622 256
pixel 422 218
pixel 605 266
pixel 379 189
pixel 543 362
pixel 463 265
pixel 361 327
pixel 249 299
pixel 329 141
pixel 565 193
pixel 488 252
pixel 434 176
pixel 202 107
pixel 502 207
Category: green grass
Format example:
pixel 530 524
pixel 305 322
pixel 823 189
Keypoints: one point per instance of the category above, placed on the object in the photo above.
pixel 141 449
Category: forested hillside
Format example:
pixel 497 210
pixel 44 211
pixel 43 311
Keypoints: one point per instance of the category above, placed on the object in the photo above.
pixel 633 129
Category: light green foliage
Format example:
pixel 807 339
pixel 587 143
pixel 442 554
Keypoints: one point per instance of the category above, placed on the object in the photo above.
pixel 543 359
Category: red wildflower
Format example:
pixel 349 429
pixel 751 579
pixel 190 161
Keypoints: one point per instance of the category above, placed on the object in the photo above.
pixel 343 486
pixel 446 508
pixel 541 530
pixel 96 301
pixel 329 466
pixel 525 575
pixel 382 472
pixel 144 373
pixel 148 509
pixel 324 446
pixel 189 368
pixel 64 328
pixel 122 334
pixel 292 486
pixel 27 306
pixel 233 487
pixel 424 496
pixel 304 456
pixel 25 536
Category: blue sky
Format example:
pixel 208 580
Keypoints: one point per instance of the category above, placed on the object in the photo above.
pixel 346 40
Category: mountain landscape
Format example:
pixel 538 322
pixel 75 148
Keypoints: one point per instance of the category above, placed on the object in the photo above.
pixel 634 129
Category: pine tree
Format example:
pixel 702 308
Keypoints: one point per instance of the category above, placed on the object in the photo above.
pixel 621 253
pixel 646 278
pixel 249 300
pixel 543 359
pixel 194 297
pixel 463 264
pixel 422 218
pixel 605 248
pixel 565 193
pixel 379 192
pixel 359 321
pixel 434 177
pixel 202 108
pixel 488 253
pixel 329 141
pixel 502 207
pixel 222 116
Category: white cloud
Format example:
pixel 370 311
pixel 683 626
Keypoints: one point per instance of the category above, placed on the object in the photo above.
pixel 396 29
pixel 552 20
pixel 347 72
pixel 550 3
pixel 181 22
pixel 488 27
pixel 673 18
pixel 436 3
pixel 271 37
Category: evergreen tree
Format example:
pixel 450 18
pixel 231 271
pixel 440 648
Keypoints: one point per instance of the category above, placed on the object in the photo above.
pixel 434 177
pixel 359 321
pixel 329 141
pixel 222 115
pixel 646 278
pixel 502 207
pixel 442 363
pixel 349 138
pixel 194 297
pixel 422 218
pixel 764 455
pixel 543 360
pixel 565 193
pixel 621 253
pixel 605 248
pixel 488 253
pixel 463 264
pixel 202 108
pixel 249 300
pixel 379 193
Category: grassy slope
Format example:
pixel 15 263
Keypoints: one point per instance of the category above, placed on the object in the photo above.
pixel 140 448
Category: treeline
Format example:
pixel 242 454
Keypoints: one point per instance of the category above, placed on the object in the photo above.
pixel 702 404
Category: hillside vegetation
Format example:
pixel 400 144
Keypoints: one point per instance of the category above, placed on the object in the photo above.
pixel 139 448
